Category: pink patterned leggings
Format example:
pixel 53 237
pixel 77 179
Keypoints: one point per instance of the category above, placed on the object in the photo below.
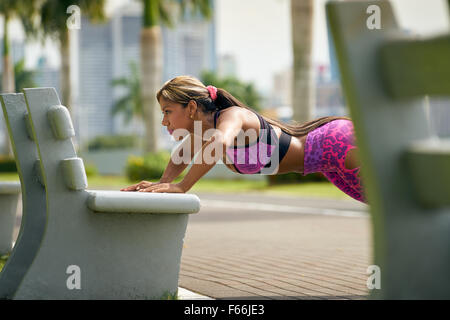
pixel 325 150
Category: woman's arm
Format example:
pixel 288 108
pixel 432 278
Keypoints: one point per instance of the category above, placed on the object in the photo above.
pixel 173 170
pixel 227 130
pixel 208 160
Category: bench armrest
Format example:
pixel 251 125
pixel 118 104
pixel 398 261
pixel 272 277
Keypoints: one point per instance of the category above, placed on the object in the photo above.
pixel 142 202
pixel 10 187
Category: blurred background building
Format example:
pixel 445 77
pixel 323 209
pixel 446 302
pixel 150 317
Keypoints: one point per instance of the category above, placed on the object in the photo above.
pixel 47 75
pixel 17 49
pixel 227 66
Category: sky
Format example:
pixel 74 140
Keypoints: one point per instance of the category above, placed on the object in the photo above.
pixel 258 33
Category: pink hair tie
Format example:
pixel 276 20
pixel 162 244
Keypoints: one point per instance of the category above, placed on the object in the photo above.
pixel 212 92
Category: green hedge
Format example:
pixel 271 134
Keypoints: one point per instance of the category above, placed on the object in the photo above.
pixel 7 164
pixel 91 169
pixel 113 142
pixel 293 177
pixel 149 167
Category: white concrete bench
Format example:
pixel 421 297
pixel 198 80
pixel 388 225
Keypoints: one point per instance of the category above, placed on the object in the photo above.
pixel 33 195
pixel 97 244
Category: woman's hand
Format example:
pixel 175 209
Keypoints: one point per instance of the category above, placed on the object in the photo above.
pixel 139 186
pixel 163 188
pixel 157 187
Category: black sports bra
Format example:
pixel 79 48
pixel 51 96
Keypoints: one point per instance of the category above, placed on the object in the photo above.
pixel 249 160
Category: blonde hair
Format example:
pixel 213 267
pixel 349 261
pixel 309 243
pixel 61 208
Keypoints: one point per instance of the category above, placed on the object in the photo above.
pixel 182 89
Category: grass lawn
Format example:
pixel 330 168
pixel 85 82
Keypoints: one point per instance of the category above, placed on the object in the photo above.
pixel 306 189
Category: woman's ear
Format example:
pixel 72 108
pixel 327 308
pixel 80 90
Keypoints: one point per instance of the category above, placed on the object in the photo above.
pixel 192 107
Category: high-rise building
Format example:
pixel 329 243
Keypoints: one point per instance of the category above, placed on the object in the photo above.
pixel 46 75
pixel 334 68
pixel 282 88
pixel 329 99
pixel 93 73
pixel 227 66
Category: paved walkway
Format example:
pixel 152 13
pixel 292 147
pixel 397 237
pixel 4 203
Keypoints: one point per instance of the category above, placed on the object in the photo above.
pixel 261 253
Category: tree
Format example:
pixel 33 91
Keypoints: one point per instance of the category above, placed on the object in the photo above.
pixel 155 13
pixel 244 92
pixel 25 10
pixel 54 23
pixel 23 78
pixel 130 104
pixel 303 85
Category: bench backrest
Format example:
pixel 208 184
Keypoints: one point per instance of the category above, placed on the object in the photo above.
pixel 33 194
pixel 120 254
pixel 62 169
pixel 385 74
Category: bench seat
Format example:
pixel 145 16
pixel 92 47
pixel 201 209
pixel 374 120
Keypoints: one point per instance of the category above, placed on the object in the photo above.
pixel 9 187
pixel 142 202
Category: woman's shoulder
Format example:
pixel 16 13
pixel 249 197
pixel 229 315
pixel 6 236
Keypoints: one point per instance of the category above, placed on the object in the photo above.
pixel 237 111
pixel 231 110
pixel 247 118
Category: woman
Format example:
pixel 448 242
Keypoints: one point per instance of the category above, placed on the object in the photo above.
pixel 324 145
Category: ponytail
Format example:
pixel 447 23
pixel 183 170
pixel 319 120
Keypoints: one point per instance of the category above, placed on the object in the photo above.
pixel 225 100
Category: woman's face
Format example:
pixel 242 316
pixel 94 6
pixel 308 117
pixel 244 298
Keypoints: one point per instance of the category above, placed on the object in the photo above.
pixel 175 116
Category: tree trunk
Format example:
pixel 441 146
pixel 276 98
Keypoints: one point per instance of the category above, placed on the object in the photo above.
pixel 66 90
pixel 8 65
pixel 8 83
pixel 151 80
pixel 303 83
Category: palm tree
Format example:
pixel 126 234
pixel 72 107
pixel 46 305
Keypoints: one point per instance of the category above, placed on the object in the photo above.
pixel 25 10
pixel 130 104
pixel 155 13
pixel 7 9
pixel 23 78
pixel 54 19
pixel 303 85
